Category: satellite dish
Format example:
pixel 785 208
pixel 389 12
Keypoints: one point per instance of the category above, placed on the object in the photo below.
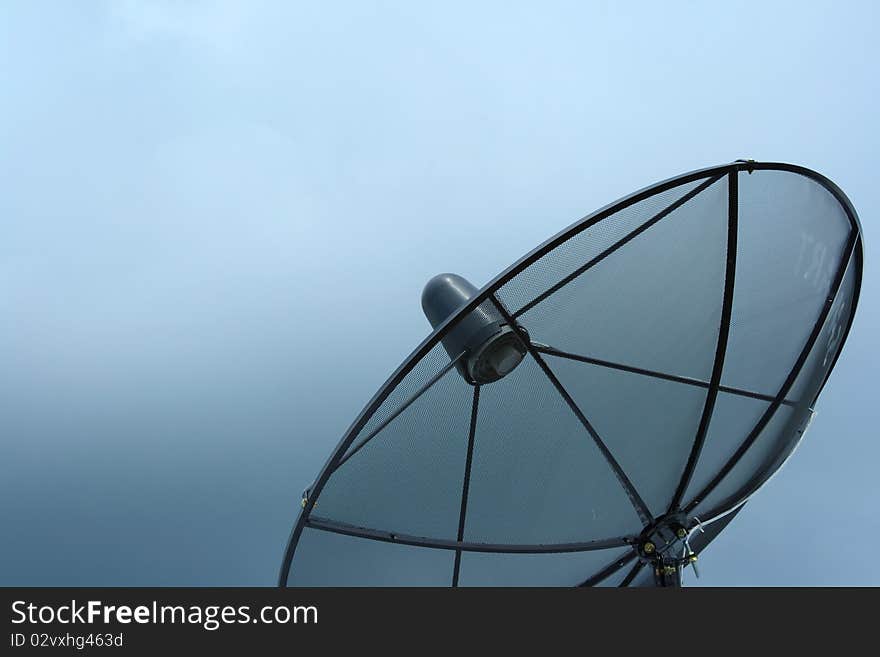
pixel 598 412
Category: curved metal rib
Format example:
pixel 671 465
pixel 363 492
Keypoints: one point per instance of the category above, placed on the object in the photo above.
pixel 465 546
pixel 607 571
pixel 787 384
pixel 721 345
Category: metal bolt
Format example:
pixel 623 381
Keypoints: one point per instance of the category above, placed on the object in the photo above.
pixel 681 533
pixel 648 547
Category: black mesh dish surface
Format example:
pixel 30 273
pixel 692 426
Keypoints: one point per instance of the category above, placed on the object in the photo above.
pixel 677 342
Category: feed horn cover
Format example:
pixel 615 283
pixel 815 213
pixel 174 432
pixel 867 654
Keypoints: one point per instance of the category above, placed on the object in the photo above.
pixel 667 353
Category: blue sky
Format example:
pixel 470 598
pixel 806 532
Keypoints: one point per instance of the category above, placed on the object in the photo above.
pixel 208 207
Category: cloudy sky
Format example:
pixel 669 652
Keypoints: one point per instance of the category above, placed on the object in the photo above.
pixel 217 218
